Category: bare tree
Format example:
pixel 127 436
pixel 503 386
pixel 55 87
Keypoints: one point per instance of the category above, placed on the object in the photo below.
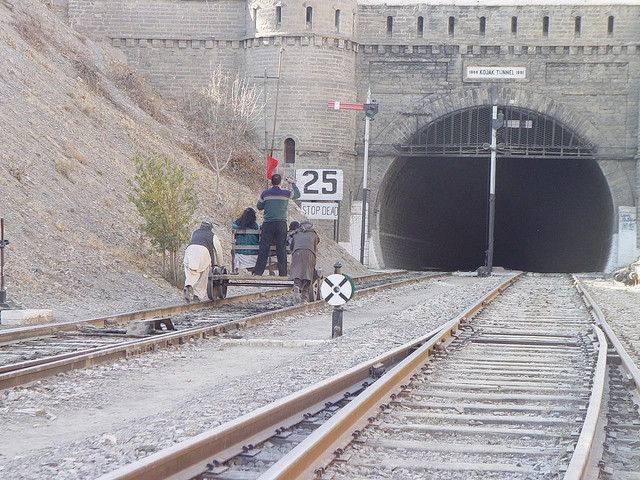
pixel 225 112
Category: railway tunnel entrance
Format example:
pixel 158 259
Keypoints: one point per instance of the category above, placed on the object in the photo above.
pixel 554 210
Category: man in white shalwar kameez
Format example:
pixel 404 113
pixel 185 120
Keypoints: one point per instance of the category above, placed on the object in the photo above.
pixel 204 250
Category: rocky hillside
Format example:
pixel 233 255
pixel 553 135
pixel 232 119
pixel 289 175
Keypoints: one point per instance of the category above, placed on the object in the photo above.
pixel 73 114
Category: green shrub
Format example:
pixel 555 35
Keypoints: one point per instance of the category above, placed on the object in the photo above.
pixel 166 199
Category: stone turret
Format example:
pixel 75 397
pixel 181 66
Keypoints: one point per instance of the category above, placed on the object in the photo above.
pixel 319 65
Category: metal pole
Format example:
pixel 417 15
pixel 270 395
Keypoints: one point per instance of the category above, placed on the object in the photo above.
pixel 3 243
pixel 364 181
pixel 266 128
pixel 492 189
pixel 336 225
pixel 336 322
pixel 275 113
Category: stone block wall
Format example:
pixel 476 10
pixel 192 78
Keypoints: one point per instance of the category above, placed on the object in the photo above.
pixel 262 19
pixel 372 23
pixel 178 67
pixel 594 95
pixel 161 19
pixel 586 81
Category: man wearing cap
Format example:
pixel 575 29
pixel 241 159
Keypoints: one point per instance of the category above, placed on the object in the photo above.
pixel 275 202
pixel 204 250
pixel 304 244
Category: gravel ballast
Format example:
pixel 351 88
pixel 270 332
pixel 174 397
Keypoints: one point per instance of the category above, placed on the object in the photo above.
pixel 89 422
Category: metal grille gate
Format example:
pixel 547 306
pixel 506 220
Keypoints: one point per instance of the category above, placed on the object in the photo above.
pixel 525 134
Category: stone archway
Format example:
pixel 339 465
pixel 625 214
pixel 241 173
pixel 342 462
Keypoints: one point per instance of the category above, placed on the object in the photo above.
pixel 402 128
pixel 554 212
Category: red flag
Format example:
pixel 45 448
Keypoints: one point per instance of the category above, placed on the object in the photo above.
pixel 272 163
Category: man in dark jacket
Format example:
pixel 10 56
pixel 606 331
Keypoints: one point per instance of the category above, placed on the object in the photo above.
pixel 275 202
pixel 304 244
pixel 204 250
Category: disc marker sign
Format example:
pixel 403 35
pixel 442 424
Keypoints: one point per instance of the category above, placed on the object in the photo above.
pixel 337 289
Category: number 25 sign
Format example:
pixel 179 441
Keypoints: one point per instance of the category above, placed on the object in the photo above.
pixel 319 184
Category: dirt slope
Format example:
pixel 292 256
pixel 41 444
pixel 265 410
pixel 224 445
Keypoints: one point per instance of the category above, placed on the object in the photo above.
pixel 72 114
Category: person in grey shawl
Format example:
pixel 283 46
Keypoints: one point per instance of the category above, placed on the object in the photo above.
pixel 203 252
pixel 304 243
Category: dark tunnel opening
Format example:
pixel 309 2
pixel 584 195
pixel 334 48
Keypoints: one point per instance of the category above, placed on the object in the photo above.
pixel 552 215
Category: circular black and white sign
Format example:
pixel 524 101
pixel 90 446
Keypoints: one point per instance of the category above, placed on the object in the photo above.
pixel 337 289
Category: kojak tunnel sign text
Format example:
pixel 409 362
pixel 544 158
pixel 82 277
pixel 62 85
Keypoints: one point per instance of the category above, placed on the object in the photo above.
pixel 493 73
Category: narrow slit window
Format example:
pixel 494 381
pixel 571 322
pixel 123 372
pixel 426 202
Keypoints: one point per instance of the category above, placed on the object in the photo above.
pixel 514 26
pixel 452 26
pixel 290 150
pixel 337 20
pixel 578 27
pixel 420 26
pixel 278 17
pixel 309 17
pixel 254 14
pixel 483 26
pixel 610 26
pixel 545 26
pixel 389 25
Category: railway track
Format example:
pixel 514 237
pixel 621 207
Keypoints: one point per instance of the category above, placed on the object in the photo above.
pixel 619 436
pixel 29 354
pixel 515 388
pixel 10 335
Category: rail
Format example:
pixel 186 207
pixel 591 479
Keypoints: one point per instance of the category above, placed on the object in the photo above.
pixel 316 448
pixel 22 333
pixel 25 372
pixel 582 457
pixel 627 363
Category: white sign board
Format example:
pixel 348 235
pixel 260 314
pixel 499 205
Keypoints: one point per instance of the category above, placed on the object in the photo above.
pixel 319 184
pixel 320 210
pixel 496 73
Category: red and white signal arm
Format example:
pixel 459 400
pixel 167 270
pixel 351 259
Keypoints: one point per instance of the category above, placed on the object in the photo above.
pixel 319 184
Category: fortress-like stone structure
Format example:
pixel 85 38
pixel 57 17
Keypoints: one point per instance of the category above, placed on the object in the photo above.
pixel 571 136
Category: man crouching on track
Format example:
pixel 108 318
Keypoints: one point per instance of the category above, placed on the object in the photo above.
pixel 304 243
pixel 204 250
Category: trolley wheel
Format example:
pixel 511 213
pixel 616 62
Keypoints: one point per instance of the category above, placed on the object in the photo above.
pixel 212 286
pixel 314 291
pixel 221 287
pixel 619 276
